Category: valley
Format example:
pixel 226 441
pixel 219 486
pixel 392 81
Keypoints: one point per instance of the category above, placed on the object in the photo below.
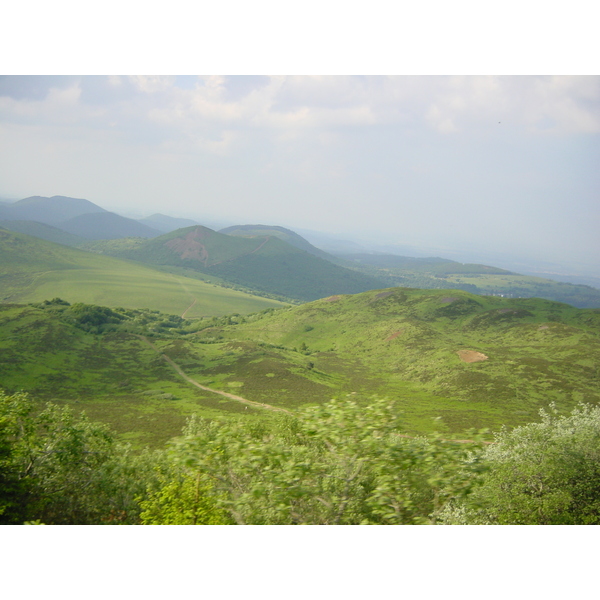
pixel 451 362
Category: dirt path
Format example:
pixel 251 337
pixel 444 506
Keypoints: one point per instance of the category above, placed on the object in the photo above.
pixel 180 372
pixel 188 308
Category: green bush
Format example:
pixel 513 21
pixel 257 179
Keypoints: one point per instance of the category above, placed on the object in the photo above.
pixel 545 473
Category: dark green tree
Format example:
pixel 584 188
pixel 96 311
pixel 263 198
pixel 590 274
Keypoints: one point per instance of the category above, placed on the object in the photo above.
pixel 62 468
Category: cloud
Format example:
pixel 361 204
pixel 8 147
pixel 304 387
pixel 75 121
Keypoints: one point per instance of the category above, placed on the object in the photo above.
pixel 296 107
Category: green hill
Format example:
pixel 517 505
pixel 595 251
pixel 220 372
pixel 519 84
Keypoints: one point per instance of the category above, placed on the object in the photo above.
pixel 286 235
pixel 32 270
pixel 54 352
pixel 439 273
pixel 263 263
pixel 475 361
pixel 44 232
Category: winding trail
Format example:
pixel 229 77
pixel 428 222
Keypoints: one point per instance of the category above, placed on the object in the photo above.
pixel 188 308
pixel 180 372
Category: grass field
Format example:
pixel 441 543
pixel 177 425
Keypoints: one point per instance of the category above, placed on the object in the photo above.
pixel 114 377
pixel 33 270
pixel 473 361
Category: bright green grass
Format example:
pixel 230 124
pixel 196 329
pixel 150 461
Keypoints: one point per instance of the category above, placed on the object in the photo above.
pixel 114 377
pixel 398 343
pixel 131 286
pixel 34 270
pixel 405 343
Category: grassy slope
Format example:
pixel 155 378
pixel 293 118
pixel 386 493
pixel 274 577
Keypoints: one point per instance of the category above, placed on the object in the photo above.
pixel 399 343
pixel 115 377
pixel 261 263
pixel 32 270
pixel 406 342
pixel 439 273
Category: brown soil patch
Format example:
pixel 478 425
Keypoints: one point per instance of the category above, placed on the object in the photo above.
pixel 189 246
pixel 332 299
pixel 448 299
pixel 543 327
pixel 470 356
pixel 394 335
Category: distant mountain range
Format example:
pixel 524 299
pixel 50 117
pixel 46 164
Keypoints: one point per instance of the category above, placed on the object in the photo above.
pixel 75 216
pixel 107 226
pixel 51 211
pixel 268 259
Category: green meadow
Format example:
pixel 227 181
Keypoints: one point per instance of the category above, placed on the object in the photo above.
pixel 33 270
pixel 452 361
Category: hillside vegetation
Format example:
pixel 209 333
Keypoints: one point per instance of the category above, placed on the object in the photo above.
pixel 476 361
pixel 264 442
pixel 32 270
pixel 341 463
pixel 473 361
pixel 440 273
pixel 263 263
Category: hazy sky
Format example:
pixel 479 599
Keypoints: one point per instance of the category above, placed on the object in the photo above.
pixel 470 165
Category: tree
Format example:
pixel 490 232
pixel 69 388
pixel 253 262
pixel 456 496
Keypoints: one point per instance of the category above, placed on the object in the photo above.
pixel 545 473
pixel 182 499
pixel 61 468
pixel 344 462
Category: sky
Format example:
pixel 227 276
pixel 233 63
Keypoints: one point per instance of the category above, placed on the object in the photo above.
pixel 465 165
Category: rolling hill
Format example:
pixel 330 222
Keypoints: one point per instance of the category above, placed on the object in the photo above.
pixel 106 226
pixel 263 263
pixel 117 377
pixel 51 211
pixel 440 273
pixel 32 270
pixel 260 270
pixel 476 361
pixel 473 361
pixel 286 235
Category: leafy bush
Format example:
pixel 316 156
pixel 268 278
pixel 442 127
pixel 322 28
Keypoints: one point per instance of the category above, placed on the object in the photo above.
pixel 545 473
pixel 340 463
pixel 59 468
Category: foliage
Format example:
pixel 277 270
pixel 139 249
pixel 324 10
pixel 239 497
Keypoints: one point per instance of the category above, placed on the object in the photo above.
pixel 339 463
pixel 183 498
pixel 65 469
pixel 545 473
